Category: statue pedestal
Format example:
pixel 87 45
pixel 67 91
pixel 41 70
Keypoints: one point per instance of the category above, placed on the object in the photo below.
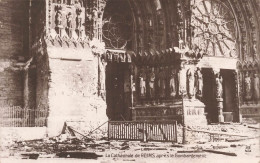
pixel 194 114
pixel 221 118
pixel 220 109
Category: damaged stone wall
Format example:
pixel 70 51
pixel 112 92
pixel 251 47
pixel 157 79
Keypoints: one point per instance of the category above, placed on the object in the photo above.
pixel 13 48
pixel 42 80
pixel 11 88
pixel 73 90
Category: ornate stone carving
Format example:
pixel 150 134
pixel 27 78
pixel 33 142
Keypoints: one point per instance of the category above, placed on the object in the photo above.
pixel 69 2
pixel 162 83
pixel 79 19
pixel 199 83
pixel 69 24
pixel 173 84
pixel 58 19
pixel 151 82
pixel 190 82
pixel 248 82
pixel 256 87
pixel 219 86
pixel 180 25
pixel 142 82
pixel 214 28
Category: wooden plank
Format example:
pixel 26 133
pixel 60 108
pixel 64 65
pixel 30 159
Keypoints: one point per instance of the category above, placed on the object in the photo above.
pixel 220 152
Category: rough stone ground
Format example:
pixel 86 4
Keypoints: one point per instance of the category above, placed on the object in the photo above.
pixel 129 151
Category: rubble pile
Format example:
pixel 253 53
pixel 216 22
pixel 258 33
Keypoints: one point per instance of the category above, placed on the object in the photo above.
pixel 73 143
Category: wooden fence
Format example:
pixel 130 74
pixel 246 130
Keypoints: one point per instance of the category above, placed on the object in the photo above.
pixel 142 131
pixel 16 116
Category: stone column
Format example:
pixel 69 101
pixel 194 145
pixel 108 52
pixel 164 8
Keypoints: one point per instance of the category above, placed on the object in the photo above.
pixel 183 93
pixel 102 77
pixel 182 79
pixel 219 94
pixel 237 116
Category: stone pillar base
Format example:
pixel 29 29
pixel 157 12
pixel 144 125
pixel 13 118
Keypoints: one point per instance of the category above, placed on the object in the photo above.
pixel 194 112
pixel 221 118
pixel 220 110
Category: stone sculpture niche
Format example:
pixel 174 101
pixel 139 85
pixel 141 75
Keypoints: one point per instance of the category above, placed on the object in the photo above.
pixel 162 83
pixel 79 27
pixel 198 83
pixel 248 83
pixel 69 24
pixel 256 85
pixel 190 82
pixel 58 19
pixel 142 82
pixel 173 83
pixel 151 83
pixel 219 87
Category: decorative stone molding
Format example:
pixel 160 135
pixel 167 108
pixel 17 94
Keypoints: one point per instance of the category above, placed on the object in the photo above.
pixel 248 82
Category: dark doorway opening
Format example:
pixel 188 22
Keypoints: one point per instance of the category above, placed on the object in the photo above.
pixel 229 94
pixel 117 92
pixel 208 95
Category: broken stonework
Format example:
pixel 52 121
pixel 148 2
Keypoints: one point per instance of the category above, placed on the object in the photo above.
pixel 73 93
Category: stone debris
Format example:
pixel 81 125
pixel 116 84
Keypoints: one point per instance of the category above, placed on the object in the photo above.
pixel 30 155
pixel 81 146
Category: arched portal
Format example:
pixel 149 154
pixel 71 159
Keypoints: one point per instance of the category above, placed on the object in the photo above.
pixel 118 36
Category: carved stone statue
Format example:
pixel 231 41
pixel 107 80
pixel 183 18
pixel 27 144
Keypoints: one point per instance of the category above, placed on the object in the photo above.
pixel 79 22
pixel 190 78
pixel 69 24
pixel 219 87
pixel 248 94
pixel 142 79
pixel 256 87
pixel 58 21
pixel 173 90
pixel 161 83
pixel 151 81
pixel 198 83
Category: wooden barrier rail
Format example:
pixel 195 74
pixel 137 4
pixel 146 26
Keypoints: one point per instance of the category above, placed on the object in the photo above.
pixel 143 131
pixel 16 116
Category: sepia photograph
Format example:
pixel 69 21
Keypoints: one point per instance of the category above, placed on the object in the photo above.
pixel 113 81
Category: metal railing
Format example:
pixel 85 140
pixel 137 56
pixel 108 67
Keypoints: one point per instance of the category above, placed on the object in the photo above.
pixel 143 131
pixel 16 116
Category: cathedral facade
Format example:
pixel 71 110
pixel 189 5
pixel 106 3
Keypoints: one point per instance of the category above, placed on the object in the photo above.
pixel 194 61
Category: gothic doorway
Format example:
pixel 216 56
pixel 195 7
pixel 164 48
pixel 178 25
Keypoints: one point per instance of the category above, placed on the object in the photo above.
pixel 229 95
pixel 118 35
